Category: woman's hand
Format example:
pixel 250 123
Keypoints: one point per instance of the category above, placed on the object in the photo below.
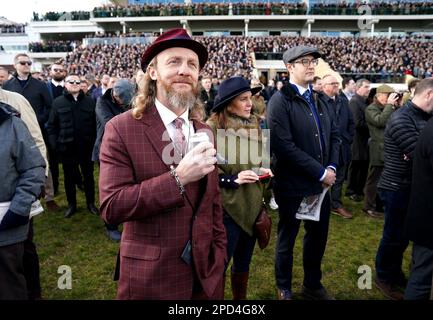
pixel 247 176
pixel 266 171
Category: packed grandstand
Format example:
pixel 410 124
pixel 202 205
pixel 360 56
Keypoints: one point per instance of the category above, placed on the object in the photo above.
pixel 114 50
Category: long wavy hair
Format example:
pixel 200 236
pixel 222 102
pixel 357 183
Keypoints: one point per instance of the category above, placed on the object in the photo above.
pixel 146 95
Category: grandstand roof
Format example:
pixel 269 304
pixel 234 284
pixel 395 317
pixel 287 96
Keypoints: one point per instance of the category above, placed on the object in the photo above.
pixel 6 22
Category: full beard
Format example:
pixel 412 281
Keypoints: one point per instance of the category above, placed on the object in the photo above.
pixel 59 79
pixel 181 100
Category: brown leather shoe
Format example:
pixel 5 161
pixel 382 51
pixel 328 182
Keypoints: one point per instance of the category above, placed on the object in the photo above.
pixel 342 213
pixel 389 290
pixel 52 206
pixel 372 213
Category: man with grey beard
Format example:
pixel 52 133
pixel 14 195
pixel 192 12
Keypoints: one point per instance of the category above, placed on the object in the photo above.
pixel 173 243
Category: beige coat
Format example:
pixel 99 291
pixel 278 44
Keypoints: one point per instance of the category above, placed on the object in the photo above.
pixel 19 103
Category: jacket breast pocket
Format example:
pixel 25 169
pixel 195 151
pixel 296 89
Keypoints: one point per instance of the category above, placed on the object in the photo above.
pixel 142 251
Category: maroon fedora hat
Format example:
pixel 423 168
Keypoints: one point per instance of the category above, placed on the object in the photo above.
pixel 174 38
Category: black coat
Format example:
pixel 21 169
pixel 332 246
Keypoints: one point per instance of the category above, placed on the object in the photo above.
pixel 208 100
pixel 360 140
pixel 269 92
pixel 36 93
pixel 419 220
pixel 400 139
pixel 298 157
pixel 346 126
pixel 106 109
pixel 72 127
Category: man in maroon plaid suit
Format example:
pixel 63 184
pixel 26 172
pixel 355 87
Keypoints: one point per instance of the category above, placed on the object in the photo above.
pixel 174 243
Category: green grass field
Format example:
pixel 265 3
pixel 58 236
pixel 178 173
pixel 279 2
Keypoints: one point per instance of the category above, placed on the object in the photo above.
pixel 81 243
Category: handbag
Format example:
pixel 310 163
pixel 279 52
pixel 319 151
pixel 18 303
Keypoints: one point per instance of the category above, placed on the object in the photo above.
pixel 262 228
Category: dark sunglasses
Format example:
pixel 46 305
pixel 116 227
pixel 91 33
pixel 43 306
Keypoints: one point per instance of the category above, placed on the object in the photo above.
pixel 58 70
pixel 23 63
pixel 74 82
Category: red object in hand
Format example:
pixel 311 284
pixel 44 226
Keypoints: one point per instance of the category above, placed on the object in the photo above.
pixel 264 176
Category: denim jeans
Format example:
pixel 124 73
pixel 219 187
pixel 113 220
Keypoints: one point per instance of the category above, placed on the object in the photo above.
pixel 389 256
pixel 240 245
pixel 419 285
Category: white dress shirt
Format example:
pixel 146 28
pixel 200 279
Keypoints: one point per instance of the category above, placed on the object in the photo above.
pixel 168 117
pixel 56 83
pixel 301 89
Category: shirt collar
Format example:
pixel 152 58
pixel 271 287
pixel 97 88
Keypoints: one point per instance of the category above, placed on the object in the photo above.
pixel 56 83
pixel 300 88
pixel 168 116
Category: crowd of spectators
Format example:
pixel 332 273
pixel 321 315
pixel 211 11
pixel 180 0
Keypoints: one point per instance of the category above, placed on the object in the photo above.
pixel 13 28
pixel 55 16
pixel 377 7
pixel 53 46
pixel 243 8
pixel 386 58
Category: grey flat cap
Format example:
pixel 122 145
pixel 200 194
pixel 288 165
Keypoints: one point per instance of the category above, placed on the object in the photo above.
pixel 300 51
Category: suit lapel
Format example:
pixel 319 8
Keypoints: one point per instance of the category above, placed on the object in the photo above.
pixel 156 131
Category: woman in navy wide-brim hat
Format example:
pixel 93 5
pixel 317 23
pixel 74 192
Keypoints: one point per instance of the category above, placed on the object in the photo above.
pixel 241 190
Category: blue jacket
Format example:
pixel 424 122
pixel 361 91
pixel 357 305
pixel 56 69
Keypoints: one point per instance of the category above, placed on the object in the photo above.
pixel 299 158
pixel 22 173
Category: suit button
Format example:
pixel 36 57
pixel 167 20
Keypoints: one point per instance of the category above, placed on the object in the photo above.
pixel 316 135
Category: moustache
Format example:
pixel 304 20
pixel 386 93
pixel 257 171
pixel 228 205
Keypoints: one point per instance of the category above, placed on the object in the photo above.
pixel 183 80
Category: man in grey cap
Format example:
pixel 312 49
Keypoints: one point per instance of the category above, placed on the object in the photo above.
pixel 113 102
pixel 304 146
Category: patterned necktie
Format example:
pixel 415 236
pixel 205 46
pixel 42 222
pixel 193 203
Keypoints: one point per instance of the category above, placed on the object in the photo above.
pixel 308 96
pixel 179 137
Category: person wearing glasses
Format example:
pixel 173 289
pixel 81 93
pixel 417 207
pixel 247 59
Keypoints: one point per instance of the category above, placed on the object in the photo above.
pixel 55 87
pixel 340 105
pixel 72 134
pixel 36 93
pixel 305 146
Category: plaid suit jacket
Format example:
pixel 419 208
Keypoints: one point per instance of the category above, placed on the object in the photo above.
pixel 136 189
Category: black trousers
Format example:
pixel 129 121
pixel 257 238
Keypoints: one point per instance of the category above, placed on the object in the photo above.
pixel 12 280
pixel 357 176
pixel 314 244
pixel 54 168
pixel 337 188
pixel 31 266
pixel 69 171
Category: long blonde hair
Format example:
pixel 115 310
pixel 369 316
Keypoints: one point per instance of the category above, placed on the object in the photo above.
pixel 146 96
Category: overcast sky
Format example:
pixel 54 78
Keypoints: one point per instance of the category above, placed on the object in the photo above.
pixel 22 10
